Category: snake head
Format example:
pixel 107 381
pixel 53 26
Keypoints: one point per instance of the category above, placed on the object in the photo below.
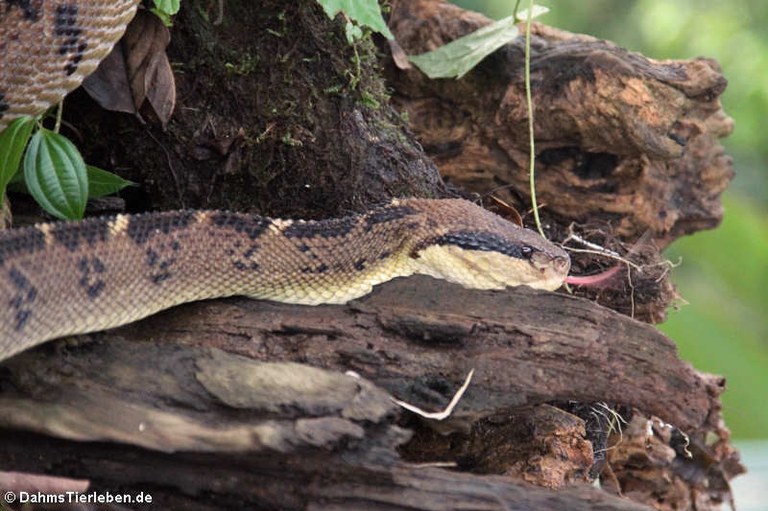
pixel 480 250
pixel 482 260
pixel 553 267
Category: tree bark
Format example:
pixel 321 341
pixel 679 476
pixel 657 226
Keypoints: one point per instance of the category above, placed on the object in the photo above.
pixel 627 150
pixel 249 404
pixel 185 393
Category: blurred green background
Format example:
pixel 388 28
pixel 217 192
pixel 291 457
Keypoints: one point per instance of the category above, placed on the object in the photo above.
pixel 723 328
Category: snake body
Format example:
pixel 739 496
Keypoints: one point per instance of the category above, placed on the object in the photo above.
pixel 60 279
pixel 66 278
pixel 48 47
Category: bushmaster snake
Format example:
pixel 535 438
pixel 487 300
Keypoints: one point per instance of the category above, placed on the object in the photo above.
pixel 61 279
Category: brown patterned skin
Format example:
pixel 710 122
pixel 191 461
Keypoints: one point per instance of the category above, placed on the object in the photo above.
pixel 48 47
pixel 60 279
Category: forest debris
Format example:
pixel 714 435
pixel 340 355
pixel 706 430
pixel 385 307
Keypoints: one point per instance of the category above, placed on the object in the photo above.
pixel 137 71
pixel 445 413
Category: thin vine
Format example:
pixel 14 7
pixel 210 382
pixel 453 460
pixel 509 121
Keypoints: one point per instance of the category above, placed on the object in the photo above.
pixel 529 104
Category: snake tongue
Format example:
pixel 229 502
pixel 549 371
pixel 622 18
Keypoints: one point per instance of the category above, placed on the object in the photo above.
pixel 596 280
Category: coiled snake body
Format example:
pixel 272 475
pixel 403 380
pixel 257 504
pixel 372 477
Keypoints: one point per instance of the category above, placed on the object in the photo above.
pixel 61 279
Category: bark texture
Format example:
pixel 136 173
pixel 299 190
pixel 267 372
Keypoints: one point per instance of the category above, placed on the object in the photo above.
pixel 627 151
pixel 620 138
pixel 238 404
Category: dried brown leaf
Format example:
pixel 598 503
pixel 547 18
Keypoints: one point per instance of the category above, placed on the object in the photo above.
pixel 109 86
pixel 160 87
pixel 148 68
pixel 503 209
pixel 398 55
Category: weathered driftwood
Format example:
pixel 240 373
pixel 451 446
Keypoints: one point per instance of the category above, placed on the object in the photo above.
pixel 626 147
pixel 303 479
pixel 415 336
pixel 620 138
pixel 526 347
pixel 171 384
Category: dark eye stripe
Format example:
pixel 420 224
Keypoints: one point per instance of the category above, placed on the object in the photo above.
pixel 486 242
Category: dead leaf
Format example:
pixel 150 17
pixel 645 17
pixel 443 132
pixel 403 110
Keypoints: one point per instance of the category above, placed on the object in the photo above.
pixel 108 85
pixel 504 210
pixel 148 69
pixel 398 55
pixel 137 72
pixel 161 87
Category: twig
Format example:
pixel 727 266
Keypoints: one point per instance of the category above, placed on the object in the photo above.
pixel 438 416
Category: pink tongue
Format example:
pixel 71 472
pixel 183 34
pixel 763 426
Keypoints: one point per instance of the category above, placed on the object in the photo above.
pixel 593 280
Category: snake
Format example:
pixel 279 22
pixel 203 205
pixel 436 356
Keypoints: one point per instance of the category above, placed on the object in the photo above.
pixel 59 279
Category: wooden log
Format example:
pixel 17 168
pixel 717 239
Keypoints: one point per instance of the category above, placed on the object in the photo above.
pixel 167 385
pixel 627 148
pixel 620 138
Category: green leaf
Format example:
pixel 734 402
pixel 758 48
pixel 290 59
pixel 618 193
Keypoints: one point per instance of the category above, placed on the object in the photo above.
pixel 536 11
pixel 13 140
pixel 164 9
pixel 165 19
pixel 55 175
pixel 170 7
pixel 101 182
pixel 363 12
pixel 458 57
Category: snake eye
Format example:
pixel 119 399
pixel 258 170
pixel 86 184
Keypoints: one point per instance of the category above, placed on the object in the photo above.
pixel 526 251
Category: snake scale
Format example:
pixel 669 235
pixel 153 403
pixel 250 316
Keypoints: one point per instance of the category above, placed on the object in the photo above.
pixel 66 278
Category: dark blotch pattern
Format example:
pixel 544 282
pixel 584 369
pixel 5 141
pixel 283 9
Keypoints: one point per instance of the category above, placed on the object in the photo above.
pixel 243 266
pixel 92 270
pixel 483 241
pixel 20 242
pixel 251 251
pixel 66 27
pixel 18 279
pixel 246 262
pixel 23 298
pixel 87 231
pixel 307 250
pixel 142 227
pixel 387 214
pixel 30 9
pixel 319 269
pixel 360 264
pixel 327 229
pixel 4 106
pixel 160 265
pixel 152 257
pixel 252 225
pixel 22 316
pixel 159 278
